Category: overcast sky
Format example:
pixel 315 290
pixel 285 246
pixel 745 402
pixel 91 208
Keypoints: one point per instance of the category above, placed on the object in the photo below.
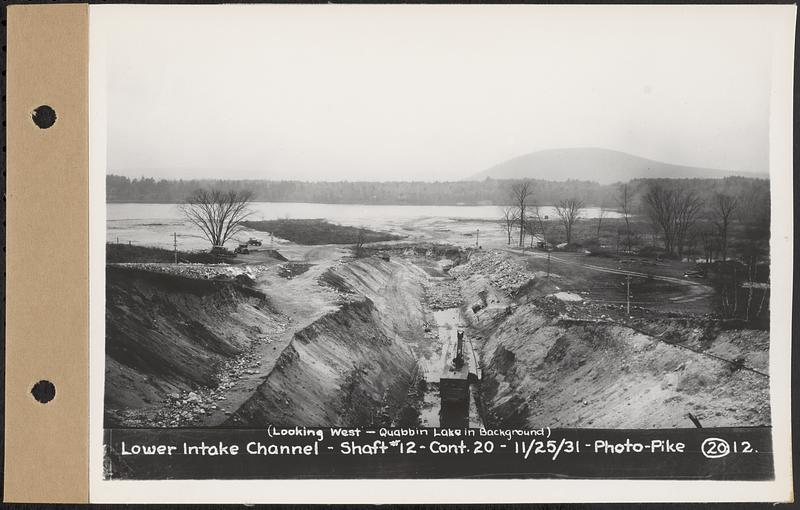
pixel 427 92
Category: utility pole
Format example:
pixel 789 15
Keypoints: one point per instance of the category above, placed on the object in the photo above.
pixel 548 259
pixel 628 293
pixel 175 245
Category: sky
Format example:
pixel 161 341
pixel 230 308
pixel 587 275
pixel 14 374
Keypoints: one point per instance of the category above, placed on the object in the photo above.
pixel 327 92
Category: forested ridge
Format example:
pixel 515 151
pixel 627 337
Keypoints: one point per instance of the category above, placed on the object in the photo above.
pixel 486 192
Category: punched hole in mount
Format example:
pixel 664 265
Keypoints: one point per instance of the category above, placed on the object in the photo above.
pixel 43 391
pixel 44 116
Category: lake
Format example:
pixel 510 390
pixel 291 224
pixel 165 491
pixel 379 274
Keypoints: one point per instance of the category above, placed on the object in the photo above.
pixel 154 224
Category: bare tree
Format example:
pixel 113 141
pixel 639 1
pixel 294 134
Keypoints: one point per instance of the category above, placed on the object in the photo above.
pixel 710 242
pixel 690 245
pixel 360 240
pixel 508 221
pixel 521 193
pixel 688 207
pixel 545 237
pixel 659 203
pixel 673 210
pixel 601 215
pixel 625 204
pixel 754 215
pixel 752 247
pixel 530 228
pixel 723 206
pixel 218 214
pixel 569 212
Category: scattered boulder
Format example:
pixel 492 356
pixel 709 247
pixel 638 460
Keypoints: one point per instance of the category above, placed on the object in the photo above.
pixel 443 294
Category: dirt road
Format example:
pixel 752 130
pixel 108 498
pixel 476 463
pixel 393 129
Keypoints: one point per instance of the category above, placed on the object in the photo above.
pixel 657 285
pixel 694 290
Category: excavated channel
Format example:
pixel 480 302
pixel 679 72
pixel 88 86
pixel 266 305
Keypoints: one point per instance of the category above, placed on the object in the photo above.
pixel 357 361
pixel 434 412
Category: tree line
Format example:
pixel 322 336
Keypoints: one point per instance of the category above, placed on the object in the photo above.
pixel 725 228
pixel 684 217
pixel 486 192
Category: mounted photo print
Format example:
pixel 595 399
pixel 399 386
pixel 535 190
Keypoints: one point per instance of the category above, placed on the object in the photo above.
pixel 386 246
pixel 438 253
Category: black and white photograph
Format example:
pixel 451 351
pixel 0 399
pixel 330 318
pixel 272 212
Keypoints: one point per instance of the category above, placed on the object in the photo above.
pixel 425 242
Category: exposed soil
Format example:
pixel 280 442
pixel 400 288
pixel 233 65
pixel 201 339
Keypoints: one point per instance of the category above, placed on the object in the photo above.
pixel 598 375
pixel 342 370
pixel 327 339
pixel 557 361
pixel 169 335
pixel 354 365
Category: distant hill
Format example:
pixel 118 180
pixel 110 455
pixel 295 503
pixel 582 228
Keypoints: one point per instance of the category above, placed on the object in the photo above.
pixel 593 164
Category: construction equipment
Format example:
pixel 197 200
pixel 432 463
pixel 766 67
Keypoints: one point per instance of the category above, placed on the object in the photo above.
pixel 454 382
pixel 458 361
pixel 220 252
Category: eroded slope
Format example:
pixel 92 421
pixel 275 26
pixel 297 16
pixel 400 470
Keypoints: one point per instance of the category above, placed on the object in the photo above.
pixel 167 334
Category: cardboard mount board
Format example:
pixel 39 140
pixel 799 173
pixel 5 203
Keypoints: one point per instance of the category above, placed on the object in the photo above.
pixel 46 445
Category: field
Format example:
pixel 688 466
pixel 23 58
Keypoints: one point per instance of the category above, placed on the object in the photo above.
pixel 317 231
pixel 130 253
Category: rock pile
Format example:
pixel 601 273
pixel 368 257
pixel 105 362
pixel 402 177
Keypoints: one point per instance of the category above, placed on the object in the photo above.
pixel 443 294
pixel 200 271
pixel 585 309
pixel 503 272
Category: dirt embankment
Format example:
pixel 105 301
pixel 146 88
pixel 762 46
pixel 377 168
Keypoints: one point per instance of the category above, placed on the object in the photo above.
pixel 167 335
pixel 540 370
pixel 342 370
pixel 353 366
pixel 545 365
pixel 189 350
pixel 396 287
